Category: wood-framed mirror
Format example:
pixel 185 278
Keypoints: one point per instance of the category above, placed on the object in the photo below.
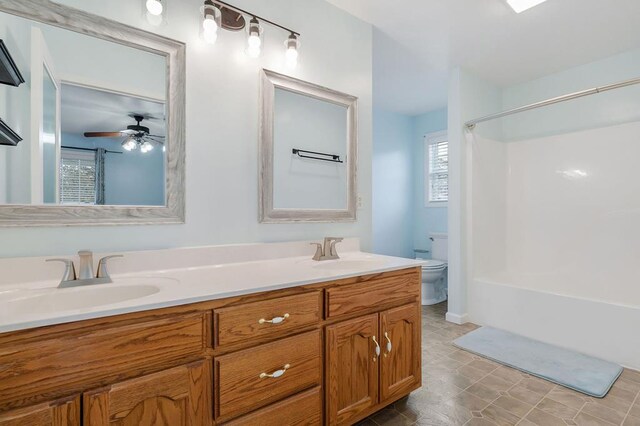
pixel 308 152
pixel 102 120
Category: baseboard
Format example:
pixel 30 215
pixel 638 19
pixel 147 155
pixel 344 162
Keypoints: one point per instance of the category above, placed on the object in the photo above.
pixel 457 319
pixel 597 328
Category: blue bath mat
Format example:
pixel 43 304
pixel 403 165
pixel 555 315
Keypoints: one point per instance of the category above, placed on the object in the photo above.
pixel 565 367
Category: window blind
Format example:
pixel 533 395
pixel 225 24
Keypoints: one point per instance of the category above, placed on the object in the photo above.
pixel 77 177
pixel 438 183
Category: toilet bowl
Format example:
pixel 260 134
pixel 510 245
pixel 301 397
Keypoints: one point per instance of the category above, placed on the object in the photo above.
pixel 434 271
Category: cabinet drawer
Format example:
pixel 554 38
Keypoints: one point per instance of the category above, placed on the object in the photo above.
pixel 363 296
pixel 300 410
pixel 241 386
pixel 46 365
pixel 250 321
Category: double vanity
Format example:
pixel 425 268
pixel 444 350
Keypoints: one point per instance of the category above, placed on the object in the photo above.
pixel 258 334
pixel 280 339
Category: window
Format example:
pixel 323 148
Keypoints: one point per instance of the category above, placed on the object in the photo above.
pixel 77 177
pixel 436 169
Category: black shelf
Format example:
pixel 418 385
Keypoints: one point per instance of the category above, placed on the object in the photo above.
pixel 7 135
pixel 9 72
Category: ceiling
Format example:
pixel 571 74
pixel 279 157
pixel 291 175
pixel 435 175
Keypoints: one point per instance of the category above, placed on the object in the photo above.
pixel 85 109
pixel 417 42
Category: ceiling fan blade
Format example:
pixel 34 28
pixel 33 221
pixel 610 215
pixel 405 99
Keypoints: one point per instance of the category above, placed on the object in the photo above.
pixel 102 134
pixel 156 141
pixel 157 136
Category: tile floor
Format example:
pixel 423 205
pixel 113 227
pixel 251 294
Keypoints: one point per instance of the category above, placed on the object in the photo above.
pixel 463 389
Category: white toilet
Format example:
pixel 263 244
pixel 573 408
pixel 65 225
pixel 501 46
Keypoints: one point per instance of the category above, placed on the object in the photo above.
pixel 434 272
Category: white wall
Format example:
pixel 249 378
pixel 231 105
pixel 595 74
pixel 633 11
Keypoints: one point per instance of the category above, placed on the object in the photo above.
pixel 222 128
pixel 469 97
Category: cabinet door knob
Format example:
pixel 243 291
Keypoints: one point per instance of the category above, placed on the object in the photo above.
pixel 386 336
pixel 276 373
pixel 274 320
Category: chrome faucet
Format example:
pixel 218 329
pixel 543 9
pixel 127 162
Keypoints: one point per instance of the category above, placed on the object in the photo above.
pixel 86 275
pixel 327 250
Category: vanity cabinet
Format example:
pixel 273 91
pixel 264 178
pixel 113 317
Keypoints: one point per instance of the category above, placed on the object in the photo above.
pixel 352 368
pixel 178 396
pixel 64 412
pixel 400 367
pixel 304 355
pixel 372 360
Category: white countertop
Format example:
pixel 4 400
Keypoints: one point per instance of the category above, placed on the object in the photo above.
pixel 41 303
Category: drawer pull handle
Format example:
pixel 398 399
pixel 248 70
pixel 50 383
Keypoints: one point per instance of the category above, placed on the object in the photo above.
pixel 377 345
pixel 276 373
pixel 386 336
pixel 275 320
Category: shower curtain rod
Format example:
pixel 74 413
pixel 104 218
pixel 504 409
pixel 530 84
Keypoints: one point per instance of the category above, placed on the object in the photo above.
pixel 471 124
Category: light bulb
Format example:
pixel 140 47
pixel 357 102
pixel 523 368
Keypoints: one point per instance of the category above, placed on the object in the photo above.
pixel 146 147
pixel 154 7
pixel 210 22
pixel 253 51
pixel 209 36
pixel 254 41
pixel 155 20
pixel 291 54
pixel 130 144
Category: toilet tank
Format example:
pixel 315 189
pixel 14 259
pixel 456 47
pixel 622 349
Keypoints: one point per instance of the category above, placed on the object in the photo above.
pixel 439 246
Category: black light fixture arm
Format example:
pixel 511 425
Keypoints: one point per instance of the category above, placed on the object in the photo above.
pixel 253 15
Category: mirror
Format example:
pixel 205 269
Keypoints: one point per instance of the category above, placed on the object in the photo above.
pixel 308 152
pixel 102 140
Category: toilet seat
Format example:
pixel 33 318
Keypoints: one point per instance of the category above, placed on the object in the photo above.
pixel 433 264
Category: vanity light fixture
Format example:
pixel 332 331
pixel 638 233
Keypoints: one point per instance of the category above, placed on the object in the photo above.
pixel 520 6
pixel 155 7
pixel 229 17
pixel 154 11
pixel 291 54
pixel 211 21
pixel 254 42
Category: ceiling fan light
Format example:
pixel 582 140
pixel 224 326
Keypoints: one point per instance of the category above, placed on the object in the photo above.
pixel 130 144
pixel 146 147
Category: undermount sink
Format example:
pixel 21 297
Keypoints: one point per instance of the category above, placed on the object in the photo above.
pixel 53 300
pixel 348 264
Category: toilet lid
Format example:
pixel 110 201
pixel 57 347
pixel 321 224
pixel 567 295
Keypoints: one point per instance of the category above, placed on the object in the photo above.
pixel 433 264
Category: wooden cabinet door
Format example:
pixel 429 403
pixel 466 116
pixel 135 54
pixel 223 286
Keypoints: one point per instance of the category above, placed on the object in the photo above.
pixel 180 396
pixel 58 413
pixel 400 370
pixel 351 368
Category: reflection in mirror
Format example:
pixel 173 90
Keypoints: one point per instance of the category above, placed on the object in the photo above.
pixel 314 177
pixel 308 152
pixel 92 117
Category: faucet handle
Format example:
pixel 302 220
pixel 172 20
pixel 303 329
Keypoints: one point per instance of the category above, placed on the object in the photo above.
pixel 102 266
pixel 319 251
pixel 332 245
pixel 69 271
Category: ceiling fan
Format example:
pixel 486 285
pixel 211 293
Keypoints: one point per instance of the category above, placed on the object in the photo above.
pixel 137 136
